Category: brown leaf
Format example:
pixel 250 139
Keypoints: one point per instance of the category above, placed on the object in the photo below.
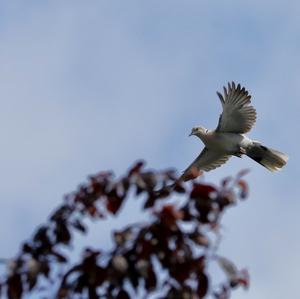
pixel 119 263
pixel 79 226
pixel 60 258
pixel 226 181
pixel 179 188
pixel 244 188
pixel 200 239
pixel 228 267
pixel 243 173
pixel 121 237
pixel 136 168
pixel 149 180
pixel 244 279
pixel 62 292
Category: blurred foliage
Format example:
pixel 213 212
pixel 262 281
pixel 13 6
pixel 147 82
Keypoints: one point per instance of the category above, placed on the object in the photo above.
pixel 165 257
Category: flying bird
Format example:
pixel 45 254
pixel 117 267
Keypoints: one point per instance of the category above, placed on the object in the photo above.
pixel 228 139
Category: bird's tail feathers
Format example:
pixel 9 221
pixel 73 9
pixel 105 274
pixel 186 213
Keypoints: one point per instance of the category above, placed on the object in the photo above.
pixel 272 159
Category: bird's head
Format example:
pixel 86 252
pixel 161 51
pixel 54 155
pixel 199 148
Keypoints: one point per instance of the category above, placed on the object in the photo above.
pixel 198 131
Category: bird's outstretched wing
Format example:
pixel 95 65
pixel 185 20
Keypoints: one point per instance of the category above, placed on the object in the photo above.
pixel 237 116
pixel 207 160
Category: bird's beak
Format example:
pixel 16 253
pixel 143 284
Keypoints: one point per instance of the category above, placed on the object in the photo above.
pixel 191 134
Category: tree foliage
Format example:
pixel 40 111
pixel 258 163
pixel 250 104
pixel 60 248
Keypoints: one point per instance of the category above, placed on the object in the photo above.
pixel 165 257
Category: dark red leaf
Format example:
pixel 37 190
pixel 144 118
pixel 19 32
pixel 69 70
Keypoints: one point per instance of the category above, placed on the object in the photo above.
pixel 202 191
pixel 126 184
pixel 81 283
pixel 14 287
pixel 134 279
pixel 150 279
pixel 204 206
pixel 149 203
pixel 100 275
pixel 92 210
pixel 62 233
pixel 178 230
pixel 26 248
pixel 41 236
pixel 96 185
pixel 122 295
pixel 202 285
pixel 169 215
pixel 92 293
pixel 145 248
pixel 181 271
pixel 45 268
pixel 31 280
pixel 200 264
pixel 113 204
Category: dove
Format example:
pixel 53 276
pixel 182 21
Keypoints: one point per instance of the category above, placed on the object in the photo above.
pixel 229 139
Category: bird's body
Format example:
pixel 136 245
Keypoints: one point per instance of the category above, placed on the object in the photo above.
pixel 229 138
pixel 230 143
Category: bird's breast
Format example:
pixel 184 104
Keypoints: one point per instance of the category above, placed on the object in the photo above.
pixel 224 142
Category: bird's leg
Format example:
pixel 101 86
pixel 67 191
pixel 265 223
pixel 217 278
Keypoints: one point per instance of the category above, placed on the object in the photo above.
pixel 240 152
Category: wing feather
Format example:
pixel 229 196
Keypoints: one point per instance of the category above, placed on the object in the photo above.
pixel 237 116
pixel 207 160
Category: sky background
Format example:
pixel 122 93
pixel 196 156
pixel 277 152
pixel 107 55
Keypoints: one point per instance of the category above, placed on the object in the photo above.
pixel 94 85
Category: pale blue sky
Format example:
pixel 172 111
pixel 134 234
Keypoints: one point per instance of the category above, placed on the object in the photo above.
pixel 92 85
